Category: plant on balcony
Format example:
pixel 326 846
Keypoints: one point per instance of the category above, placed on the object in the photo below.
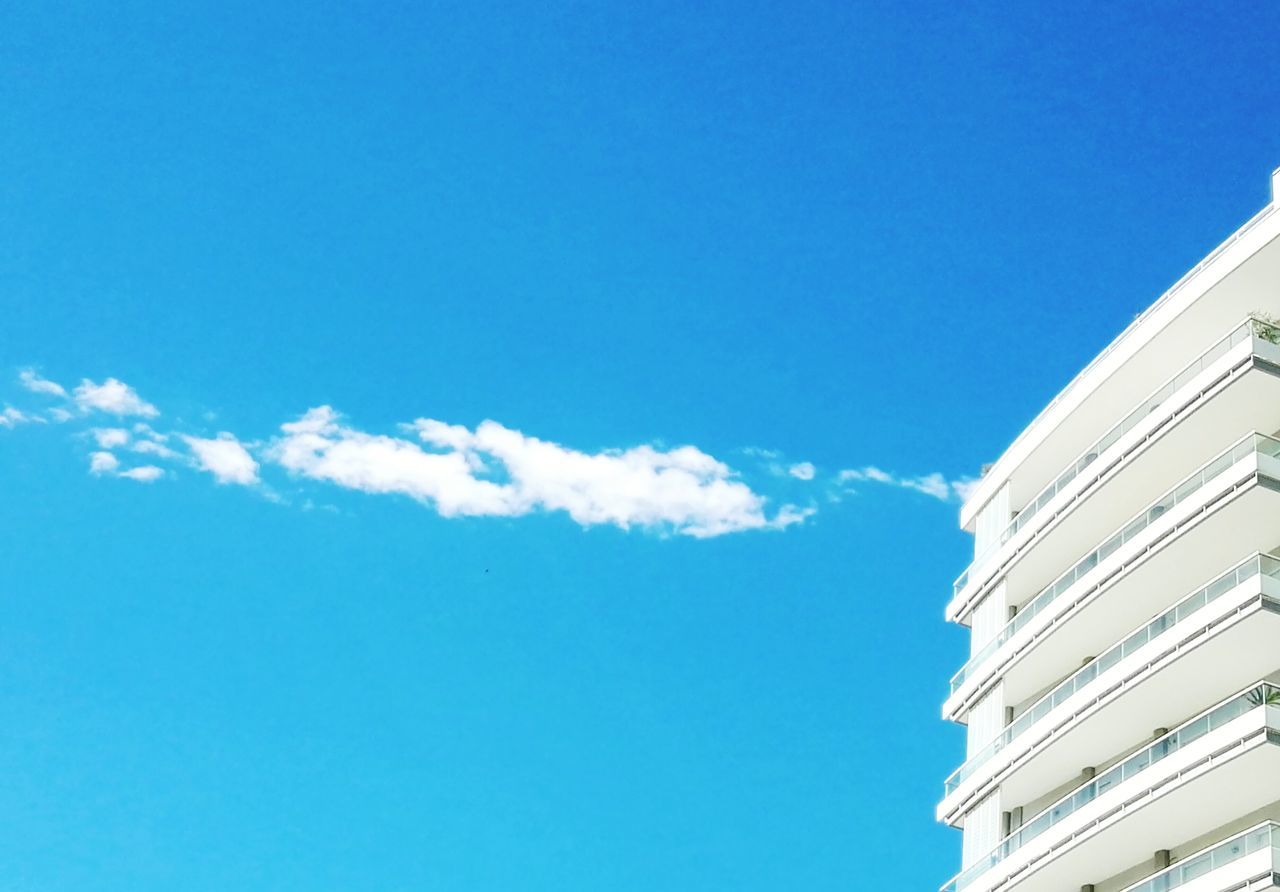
pixel 1266 327
pixel 1264 696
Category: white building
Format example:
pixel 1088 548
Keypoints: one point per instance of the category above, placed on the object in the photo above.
pixel 1124 608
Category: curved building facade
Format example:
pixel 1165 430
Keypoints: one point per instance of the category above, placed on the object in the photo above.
pixel 1122 691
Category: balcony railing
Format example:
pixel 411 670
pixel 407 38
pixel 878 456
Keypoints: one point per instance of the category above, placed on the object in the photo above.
pixel 1259 564
pixel 1258 697
pixel 1252 444
pixel 1265 837
pixel 1251 328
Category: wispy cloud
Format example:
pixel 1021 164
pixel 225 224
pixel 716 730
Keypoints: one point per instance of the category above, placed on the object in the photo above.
pixel 490 470
pixel 802 470
pixel 225 458
pixel 34 383
pixel 142 440
pixel 105 464
pixel 148 441
pixel 112 396
pixel 11 417
pixel 964 487
pixel 934 485
pixel 110 437
pixel 152 447
pixel 143 474
pixel 773 463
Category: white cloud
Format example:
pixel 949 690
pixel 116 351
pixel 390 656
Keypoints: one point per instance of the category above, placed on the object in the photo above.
pixel 112 396
pixel 110 437
pixel 683 489
pixel 965 486
pixel 802 470
pixel 437 433
pixel 143 474
pixel 151 447
pixel 317 446
pixel 11 417
pixel 934 485
pixel 867 473
pixel 224 457
pixel 148 441
pixel 931 485
pixel 489 470
pixel 103 463
pixel 106 464
pixel 34 383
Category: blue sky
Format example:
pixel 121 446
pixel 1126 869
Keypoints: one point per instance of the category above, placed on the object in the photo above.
pixel 502 368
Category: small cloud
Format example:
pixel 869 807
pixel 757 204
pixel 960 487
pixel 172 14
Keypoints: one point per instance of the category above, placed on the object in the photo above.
pixel 110 437
pixel 802 470
pixel 11 417
pixel 112 396
pixel 309 505
pixel 60 415
pixel 791 514
pixel 225 458
pixel 103 463
pixel 151 447
pixel 964 487
pixel 148 441
pixel 934 485
pixel 870 472
pixel 34 383
pixel 143 474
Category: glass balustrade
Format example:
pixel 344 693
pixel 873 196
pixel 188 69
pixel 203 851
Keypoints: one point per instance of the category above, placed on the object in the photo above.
pixel 1256 329
pixel 1258 697
pixel 1253 444
pixel 1259 839
pixel 1171 619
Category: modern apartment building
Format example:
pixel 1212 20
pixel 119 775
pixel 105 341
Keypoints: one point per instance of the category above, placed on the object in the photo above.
pixel 1122 693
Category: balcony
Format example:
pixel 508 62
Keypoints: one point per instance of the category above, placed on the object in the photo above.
pixel 1230 504
pixel 1234 384
pixel 1223 763
pixel 1217 638
pixel 1246 861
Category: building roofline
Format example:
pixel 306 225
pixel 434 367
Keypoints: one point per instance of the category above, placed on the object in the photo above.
pixel 1148 322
